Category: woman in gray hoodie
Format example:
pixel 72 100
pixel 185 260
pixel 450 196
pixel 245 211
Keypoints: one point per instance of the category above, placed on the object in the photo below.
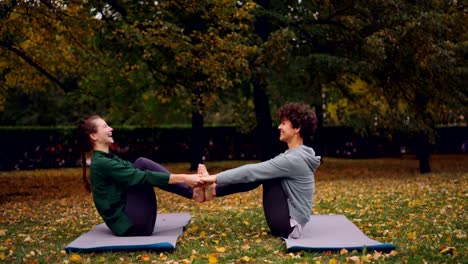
pixel 287 179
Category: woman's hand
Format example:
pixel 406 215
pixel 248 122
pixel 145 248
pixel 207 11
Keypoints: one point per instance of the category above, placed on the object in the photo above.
pixel 194 180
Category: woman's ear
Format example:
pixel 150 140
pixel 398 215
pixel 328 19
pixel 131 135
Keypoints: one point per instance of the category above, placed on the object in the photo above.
pixel 297 130
pixel 93 137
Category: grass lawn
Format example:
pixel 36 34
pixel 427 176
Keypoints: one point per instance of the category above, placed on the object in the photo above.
pixel 424 216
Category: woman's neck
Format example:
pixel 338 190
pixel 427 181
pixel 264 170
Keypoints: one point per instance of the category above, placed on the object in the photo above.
pixel 103 148
pixel 295 142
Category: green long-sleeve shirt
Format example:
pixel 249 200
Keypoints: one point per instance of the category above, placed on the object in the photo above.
pixel 110 178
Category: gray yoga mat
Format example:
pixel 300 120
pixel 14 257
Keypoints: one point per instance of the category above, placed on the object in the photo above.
pixel 166 232
pixel 333 233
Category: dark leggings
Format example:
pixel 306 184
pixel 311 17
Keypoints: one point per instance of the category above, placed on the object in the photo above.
pixel 275 204
pixel 141 207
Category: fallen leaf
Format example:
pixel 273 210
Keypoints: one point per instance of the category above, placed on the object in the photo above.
pixel 245 259
pixel 162 256
pixel 75 258
pixel 213 258
pixel 220 249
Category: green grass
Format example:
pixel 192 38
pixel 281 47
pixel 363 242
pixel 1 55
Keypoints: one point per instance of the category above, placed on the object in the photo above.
pixel 424 216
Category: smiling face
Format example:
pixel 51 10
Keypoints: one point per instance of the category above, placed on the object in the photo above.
pixel 287 132
pixel 102 138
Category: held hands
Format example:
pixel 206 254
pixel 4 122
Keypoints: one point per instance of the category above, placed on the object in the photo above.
pixel 201 179
pixel 209 187
pixel 194 180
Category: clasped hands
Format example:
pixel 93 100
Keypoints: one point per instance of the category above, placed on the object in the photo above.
pixel 201 179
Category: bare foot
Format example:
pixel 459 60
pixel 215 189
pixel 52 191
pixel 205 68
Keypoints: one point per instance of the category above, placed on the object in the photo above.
pixel 199 194
pixel 210 192
pixel 202 170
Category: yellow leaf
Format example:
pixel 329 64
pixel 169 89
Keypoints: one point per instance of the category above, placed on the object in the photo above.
pixel 202 234
pixel 75 258
pixel 332 261
pixel 144 258
pixel 162 256
pixel 411 235
pixel 448 250
pixel 245 259
pixel 220 249
pixel 213 258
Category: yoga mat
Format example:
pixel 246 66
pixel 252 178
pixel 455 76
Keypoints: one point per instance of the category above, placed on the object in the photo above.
pixel 167 230
pixel 333 233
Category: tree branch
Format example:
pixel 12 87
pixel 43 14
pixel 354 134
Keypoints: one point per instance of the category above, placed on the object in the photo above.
pixel 6 8
pixel 9 46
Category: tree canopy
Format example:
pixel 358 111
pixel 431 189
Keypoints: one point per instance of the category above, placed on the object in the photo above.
pixel 367 64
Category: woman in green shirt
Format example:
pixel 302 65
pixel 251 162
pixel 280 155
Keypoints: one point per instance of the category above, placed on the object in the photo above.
pixel 123 192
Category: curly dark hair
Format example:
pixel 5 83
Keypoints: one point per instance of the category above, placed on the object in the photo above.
pixel 301 116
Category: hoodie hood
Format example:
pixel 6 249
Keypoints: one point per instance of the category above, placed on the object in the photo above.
pixel 308 154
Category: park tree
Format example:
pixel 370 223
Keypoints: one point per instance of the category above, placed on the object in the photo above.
pixel 44 46
pixel 418 66
pixel 182 53
pixel 404 69
pixel 131 56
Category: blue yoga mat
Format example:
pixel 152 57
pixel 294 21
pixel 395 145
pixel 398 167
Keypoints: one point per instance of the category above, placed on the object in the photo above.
pixel 166 232
pixel 333 233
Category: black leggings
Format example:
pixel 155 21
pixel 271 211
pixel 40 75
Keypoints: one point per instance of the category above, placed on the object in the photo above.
pixel 275 204
pixel 141 206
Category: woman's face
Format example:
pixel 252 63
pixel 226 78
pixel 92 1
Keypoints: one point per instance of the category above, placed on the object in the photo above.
pixel 287 132
pixel 103 135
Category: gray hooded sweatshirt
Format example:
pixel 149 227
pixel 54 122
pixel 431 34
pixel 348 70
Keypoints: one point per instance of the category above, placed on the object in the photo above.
pixel 295 166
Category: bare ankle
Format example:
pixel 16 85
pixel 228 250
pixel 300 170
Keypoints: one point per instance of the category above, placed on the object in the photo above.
pixel 199 194
pixel 210 192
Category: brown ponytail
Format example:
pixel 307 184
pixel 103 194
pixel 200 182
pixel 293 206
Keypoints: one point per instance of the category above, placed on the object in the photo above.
pixel 86 183
pixel 85 128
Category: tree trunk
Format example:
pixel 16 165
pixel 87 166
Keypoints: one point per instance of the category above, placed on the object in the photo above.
pixel 318 142
pixel 197 136
pixel 423 147
pixel 266 142
pixel 264 131
pixel 423 152
pixel 197 140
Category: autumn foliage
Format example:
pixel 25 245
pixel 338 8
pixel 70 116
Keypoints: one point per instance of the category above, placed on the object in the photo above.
pixel 423 215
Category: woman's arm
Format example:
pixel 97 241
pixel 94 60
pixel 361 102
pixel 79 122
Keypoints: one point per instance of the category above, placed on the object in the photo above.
pixel 278 167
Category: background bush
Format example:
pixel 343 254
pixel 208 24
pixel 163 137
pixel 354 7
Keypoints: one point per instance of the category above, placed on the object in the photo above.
pixel 54 147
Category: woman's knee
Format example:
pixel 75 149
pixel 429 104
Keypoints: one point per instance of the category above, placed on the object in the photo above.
pixel 141 163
